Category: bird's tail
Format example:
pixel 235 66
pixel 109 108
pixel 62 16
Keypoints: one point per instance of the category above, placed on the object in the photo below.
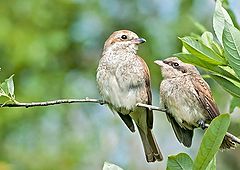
pixel 150 146
pixel 228 143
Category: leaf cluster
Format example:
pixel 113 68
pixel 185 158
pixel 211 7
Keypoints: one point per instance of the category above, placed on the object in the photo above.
pixel 219 54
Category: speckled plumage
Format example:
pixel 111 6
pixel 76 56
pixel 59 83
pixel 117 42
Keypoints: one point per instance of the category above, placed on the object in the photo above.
pixel 187 99
pixel 123 81
pixel 174 94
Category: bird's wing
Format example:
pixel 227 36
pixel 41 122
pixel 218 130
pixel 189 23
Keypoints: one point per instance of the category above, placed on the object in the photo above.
pixel 128 121
pixel 205 96
pixel 184 136
pixel 125 118
pixel 149 93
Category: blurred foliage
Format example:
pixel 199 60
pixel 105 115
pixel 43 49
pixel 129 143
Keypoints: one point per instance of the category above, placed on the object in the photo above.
pixel 53 48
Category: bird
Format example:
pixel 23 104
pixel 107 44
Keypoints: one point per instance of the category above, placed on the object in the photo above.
pixel 188 100
pixel 123 80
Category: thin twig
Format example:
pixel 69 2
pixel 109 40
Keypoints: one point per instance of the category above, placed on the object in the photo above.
pixel 88 100
pixel 69 101
pixel 53 102
pixel 150 107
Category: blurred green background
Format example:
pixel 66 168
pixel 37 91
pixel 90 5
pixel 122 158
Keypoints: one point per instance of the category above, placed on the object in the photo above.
pixel 53 48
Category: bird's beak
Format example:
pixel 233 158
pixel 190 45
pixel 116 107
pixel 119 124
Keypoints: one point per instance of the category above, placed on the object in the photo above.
pixel 159 62
pixel 138 40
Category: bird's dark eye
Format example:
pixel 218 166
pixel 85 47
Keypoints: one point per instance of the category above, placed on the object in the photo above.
pixel 175 64
pixel 124 37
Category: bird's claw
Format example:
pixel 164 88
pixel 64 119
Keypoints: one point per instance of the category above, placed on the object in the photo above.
pixel 201 124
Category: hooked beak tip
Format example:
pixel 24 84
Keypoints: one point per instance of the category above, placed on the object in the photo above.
pixel 138 40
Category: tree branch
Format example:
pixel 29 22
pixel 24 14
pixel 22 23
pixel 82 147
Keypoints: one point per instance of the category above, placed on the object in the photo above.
pixel 151 107
pixel 69 101
pixel 53 102
pixel 98 101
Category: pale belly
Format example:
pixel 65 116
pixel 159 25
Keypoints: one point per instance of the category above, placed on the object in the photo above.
pixel 124 99
pixel 183 105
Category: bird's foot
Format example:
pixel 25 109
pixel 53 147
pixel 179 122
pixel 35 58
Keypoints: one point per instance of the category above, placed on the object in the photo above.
pixel 201 124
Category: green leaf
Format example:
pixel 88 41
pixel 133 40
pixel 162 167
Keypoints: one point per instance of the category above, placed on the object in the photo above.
pixel 2 93
pixel 4 88
pixel 235 102
pixel 231 71
pixel 217 48
pixel 201 51
pixel 219 18
pixel 211 141
pixel 7 88
pixel 179 162
pixel 109 166
pixel 212 164
pixel 10 85
pixel 207 39
pixel 191 59
pixel 231 43
pixel 230 86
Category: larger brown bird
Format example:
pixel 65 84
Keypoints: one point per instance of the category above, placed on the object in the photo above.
pixel 187 99
pixel 123 81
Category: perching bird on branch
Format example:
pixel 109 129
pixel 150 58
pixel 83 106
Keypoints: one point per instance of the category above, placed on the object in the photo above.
pixel 187 99
pixel 123 81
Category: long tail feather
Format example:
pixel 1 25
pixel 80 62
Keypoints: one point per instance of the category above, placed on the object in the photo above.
pixel 150 146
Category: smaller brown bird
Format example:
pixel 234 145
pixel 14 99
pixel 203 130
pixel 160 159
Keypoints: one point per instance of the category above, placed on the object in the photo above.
pixel 123 80
pixel 187 99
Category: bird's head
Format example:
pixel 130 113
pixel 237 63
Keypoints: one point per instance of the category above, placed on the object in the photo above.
pixel 173 67
pixel 123 40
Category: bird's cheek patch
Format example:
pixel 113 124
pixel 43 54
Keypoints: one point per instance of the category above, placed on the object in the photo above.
pixel 114 41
